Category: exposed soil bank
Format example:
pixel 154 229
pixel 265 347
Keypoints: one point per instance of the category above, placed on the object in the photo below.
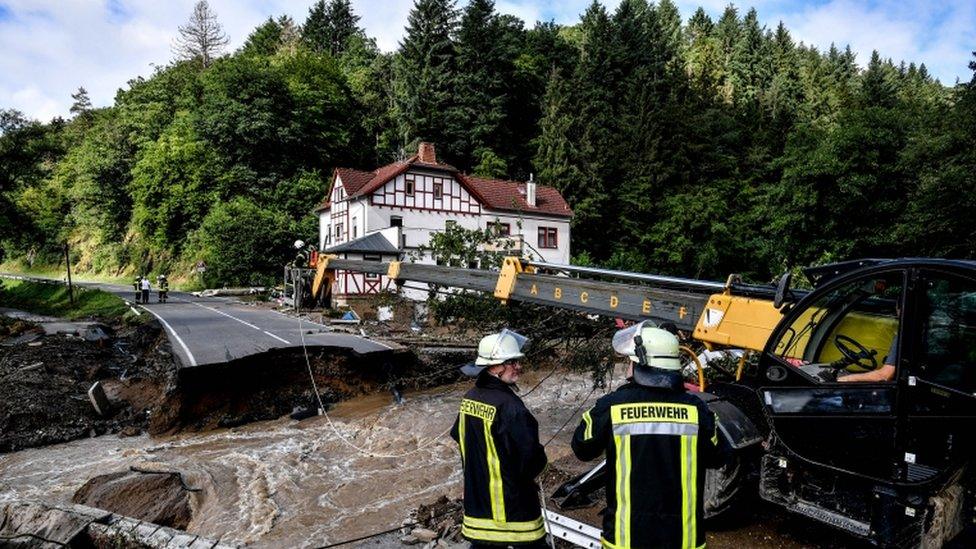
pixel 277 383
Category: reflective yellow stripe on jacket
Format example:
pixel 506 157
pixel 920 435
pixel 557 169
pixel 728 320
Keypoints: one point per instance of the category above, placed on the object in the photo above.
pixel 497 528
pixel 588 420
pixel 668 419
pixel 492 530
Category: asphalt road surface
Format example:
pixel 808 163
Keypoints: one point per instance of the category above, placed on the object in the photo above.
pixel 214 330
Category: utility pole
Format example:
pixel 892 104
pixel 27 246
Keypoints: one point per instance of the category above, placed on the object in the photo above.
pixel 67 263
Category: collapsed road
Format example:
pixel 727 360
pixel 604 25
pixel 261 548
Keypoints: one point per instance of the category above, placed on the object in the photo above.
pixel 213 330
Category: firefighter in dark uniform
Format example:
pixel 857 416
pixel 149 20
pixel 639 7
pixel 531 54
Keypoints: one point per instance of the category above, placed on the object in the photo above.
pixel 658 440
pixel 500 450
pixel 162 286
pixel 138 287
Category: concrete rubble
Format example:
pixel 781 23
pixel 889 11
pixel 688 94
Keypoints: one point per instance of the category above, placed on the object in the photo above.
pixel 36 524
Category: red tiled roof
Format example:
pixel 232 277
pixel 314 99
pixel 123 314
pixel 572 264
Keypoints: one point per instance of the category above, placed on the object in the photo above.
pixel 498 194
pixel 353 180
pixel 495 194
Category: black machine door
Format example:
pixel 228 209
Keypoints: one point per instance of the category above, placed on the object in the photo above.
pixel 849 327
pixel 940 381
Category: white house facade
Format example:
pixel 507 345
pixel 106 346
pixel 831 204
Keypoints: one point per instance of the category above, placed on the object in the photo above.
pixel 392 211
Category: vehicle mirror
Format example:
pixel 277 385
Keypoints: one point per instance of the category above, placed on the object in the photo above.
pixel 783 294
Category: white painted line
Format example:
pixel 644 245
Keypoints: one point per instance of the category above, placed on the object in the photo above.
pixel 172 332
pixel 232 317
pixel 285 341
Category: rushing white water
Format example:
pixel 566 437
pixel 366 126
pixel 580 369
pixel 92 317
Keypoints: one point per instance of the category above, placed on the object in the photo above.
pixel 285 483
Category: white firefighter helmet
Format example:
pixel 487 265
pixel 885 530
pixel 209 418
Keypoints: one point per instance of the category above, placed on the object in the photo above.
pixel 659 347
pixel 495 349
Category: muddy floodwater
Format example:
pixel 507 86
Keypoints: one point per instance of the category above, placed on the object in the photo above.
pixel 359 470
pixel 286 483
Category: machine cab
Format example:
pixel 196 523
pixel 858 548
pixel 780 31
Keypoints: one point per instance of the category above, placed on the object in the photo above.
pixel 874 372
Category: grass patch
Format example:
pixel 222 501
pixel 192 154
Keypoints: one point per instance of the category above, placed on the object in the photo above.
pixel 52 300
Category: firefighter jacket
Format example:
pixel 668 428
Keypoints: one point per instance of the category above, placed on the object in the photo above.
pixel 658 439
pixel 501 456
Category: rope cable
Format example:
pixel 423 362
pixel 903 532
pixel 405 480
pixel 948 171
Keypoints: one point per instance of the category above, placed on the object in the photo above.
pixel 335 430
pixel 384 532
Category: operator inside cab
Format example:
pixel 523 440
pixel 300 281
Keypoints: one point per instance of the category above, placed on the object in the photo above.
pixel 841 336
pixel 885 373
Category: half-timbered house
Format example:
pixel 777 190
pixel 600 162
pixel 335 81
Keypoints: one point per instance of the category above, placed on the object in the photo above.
pixel 393 210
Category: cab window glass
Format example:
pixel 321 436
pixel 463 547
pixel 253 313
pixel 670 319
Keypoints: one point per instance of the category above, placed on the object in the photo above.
pixel 948 346
pixel 858 320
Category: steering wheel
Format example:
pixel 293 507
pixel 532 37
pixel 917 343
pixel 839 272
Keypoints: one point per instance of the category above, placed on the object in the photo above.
pixel 856 353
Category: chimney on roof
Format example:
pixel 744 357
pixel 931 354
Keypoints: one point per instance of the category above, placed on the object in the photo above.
pixel 530 191
pixel 426 153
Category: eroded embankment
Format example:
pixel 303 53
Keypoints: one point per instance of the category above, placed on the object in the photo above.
pixel 278 382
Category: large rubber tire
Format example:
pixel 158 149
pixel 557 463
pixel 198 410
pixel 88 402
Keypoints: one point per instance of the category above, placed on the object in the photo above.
pixel 726 486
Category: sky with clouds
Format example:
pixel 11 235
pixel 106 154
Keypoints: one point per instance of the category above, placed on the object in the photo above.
pixel 48 48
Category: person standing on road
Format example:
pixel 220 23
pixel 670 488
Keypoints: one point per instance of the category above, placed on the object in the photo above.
pixel 144 285
pixel 500 451
pixel 162 287
pixel 137 285
pixel 658 440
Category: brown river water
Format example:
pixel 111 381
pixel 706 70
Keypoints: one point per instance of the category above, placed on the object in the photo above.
pixel 285 483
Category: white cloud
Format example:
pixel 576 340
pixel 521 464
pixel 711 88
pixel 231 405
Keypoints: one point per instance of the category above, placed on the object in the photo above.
pixel 50 47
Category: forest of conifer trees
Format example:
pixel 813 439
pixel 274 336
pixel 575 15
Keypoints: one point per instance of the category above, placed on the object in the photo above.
pixel 689 146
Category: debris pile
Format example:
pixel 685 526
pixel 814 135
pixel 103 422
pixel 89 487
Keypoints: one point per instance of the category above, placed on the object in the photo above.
pixel 435 525
pixel 45 381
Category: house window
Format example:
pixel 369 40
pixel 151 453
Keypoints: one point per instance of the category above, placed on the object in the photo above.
pixel 355 227
pixel 338 231
pixel 438 189
pixel 500 229
pixel 377 259
pixel 339 194
pixel 409 185
pixel 548 237
pixel 396 221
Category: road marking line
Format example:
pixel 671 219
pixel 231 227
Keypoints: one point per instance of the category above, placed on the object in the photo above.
pixel 228 316
pixel 189 355
pixel 285 341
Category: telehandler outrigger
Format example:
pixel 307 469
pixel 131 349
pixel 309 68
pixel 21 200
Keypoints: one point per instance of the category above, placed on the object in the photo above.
pixel 887 461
